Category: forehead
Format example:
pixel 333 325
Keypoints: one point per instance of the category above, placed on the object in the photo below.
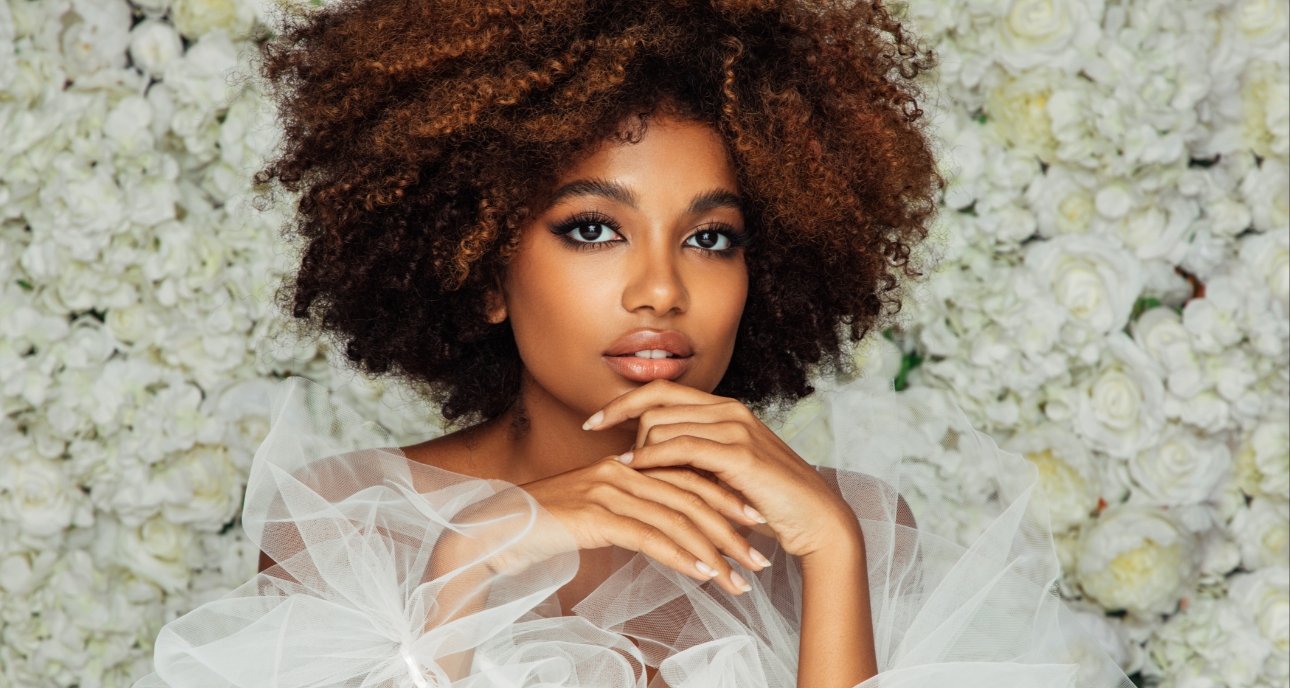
pixel 678 156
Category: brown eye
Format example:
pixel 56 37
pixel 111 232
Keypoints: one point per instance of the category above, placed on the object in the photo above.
pixel 592 233
pixel 709 239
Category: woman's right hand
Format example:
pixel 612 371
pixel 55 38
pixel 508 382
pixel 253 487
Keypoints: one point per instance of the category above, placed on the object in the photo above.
pixel 672 515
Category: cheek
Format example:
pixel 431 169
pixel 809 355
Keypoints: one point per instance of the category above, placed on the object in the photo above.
pixel 560 311
pixel 717 304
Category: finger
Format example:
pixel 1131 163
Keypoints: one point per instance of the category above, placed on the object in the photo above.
pixel 709 521
pixel 706 563
pixel 725 411
pixel 725 502
pixel 653 395
pixel 727 461
pixel 725 432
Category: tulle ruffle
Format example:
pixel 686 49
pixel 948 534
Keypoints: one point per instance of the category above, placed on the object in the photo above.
pixel 391 573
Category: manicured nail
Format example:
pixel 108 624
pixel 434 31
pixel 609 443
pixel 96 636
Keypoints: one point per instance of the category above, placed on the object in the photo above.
pixel 626 458
pixel 758 557
pixel 739 581
pixel 754 514
pixel 705 569
pixel 594 420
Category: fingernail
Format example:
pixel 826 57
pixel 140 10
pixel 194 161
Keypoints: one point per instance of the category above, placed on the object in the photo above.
pixel 626 458
pixel 754 514
pixel 758 557
pixel 705 569
pixel 739 581
pixel 594 420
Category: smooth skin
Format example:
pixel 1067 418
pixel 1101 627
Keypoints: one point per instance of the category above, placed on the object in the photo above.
pixel 664 467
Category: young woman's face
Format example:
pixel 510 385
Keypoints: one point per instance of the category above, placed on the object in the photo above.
pixel 634 272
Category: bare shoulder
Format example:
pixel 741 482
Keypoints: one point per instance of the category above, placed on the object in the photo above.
pixel 464 451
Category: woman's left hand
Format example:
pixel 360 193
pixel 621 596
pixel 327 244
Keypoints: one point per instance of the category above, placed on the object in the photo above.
pixel 682 426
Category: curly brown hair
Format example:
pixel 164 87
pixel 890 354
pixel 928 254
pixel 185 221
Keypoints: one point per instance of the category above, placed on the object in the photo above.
pixel 419 134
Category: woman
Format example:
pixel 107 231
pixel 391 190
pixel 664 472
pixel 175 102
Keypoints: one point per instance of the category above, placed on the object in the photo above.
pixel 597 233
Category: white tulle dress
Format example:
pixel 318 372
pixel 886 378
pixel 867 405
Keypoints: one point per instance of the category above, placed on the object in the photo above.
pixel 391 573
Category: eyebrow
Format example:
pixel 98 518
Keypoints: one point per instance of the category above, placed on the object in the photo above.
pixel 716 198
pixel 595 187
pixel 708 200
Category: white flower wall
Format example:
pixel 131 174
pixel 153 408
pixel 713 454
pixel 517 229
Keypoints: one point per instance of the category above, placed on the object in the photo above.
pixel 1110 300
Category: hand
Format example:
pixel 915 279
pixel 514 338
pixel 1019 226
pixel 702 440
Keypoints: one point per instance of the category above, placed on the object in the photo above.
pixel 682 426
pixel 673 515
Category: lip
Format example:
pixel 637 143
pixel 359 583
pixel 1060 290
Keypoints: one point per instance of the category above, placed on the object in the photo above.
pixel 618 356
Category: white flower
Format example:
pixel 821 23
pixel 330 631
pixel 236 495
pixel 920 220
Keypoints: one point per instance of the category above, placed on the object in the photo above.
pixel 1265 100
pixel 153 44
pixel 1263 459
pixel 1111 635
pixel 1161 334
pixel 1263 531
pixel 196 18
pixel 1267 191
pixel 1066 473
pixel 1120 407
pixel 1181 469
pixel 1137 559
pixel 1265 595
pixel 1096 282
pixel 1211 643
pixel 1047 32
pixel 98 35
pixel 1062 201
pixel 205 489
pixel 1020 105
pixel 35 494
pixel 158 551
pixel 1268 255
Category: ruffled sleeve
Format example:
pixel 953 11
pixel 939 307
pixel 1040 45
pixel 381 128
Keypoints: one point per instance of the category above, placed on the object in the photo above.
pixel 393 573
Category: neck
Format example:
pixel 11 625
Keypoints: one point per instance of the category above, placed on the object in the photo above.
pixel 542 437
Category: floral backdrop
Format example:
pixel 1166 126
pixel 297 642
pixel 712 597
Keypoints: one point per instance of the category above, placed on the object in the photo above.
pixel 1109 299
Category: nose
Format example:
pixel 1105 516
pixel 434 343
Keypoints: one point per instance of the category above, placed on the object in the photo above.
pixel 655 282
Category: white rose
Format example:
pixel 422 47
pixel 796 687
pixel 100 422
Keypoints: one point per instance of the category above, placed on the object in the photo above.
pixel 1263 531
pixel 1066 473
pixel 1265 596
pixel 1265 106
pixel 1212 327
pixel 1120 407
pixel 1020 106
pixel 1211 643
pixel 36 495
pixel 1268 255
pixel 196 18
pixel 1047 32
pixel 1260 21
pixel 1157 232
pixel 1263 459
pixel 1161 334
pixel 1227 217
pixel 1111 635
pixel 205 489
pixel 153 44
pixel 1094 280
pixel 1182 469
pixel 1267 191
pixel 1137 559
pixel 1062 201
pixel 158 551
pixel 99 39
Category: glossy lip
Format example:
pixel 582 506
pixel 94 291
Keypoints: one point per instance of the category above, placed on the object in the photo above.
pixel 619 355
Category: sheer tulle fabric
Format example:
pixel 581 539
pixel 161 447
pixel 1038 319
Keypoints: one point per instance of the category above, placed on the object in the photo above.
pixel 393 574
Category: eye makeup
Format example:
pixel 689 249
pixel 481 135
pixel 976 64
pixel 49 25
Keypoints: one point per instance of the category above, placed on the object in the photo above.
pixel 595 230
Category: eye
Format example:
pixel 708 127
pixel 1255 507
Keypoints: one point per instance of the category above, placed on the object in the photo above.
pixel 709 239
pixel 592 233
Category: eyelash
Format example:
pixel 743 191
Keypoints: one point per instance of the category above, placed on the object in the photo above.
pixel 562 229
